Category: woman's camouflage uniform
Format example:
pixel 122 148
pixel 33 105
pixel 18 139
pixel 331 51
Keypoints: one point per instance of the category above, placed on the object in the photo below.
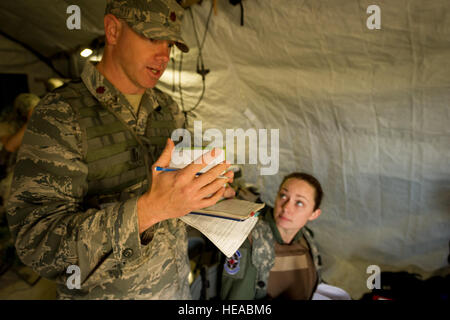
pixel 247 278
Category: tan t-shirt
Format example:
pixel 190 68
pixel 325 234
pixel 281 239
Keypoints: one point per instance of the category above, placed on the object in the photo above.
pixel 134 100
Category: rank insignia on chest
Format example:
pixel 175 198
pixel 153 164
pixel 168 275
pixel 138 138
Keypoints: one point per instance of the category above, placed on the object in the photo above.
pixel 231 265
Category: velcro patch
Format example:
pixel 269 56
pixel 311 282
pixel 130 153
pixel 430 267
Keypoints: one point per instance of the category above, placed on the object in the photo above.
pixel 290 263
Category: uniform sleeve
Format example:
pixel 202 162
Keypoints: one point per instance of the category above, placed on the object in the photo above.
pixel 50 227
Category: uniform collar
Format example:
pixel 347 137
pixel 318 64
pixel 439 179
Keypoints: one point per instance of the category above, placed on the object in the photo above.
pixel 269 218
pixel 106 93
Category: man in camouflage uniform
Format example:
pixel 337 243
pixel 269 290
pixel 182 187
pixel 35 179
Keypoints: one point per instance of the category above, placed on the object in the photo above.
pixel 11 135
pixel 83 193
pixel 12 131
pixel 14 121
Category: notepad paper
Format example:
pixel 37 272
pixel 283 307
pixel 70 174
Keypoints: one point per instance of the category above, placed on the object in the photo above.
pixel 181 157
pixel 233 208
pixel 227 235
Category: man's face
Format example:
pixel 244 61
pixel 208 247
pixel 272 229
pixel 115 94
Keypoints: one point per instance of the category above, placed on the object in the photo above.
pixel 294 205
pixel 142 60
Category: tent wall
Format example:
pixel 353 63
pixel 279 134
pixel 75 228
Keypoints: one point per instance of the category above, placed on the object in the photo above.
pixel 16 59
pixel 365 111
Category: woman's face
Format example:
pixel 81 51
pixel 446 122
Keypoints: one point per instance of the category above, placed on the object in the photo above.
pixel 294 205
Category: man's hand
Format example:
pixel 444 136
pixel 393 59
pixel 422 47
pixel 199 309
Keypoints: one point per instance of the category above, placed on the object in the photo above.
pixel 175 194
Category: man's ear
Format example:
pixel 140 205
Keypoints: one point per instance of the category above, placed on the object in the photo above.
pixel 113 28
pixel 315 215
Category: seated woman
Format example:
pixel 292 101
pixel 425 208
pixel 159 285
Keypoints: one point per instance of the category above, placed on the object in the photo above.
pixel 279 259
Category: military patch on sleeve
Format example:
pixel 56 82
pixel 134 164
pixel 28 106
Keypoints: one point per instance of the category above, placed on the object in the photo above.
pixel 232 264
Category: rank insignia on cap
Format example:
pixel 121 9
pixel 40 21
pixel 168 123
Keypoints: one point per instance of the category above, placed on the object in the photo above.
pixel 100 90
pixel 231 265
pixel 173 16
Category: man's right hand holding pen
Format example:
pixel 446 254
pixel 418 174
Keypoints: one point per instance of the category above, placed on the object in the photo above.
pixel 176 193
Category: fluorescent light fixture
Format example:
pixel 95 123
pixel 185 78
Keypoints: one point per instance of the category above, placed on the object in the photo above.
pixel 96 58
pixel 86 52
pixel 54 83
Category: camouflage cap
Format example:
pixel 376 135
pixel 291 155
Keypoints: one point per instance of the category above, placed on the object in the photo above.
pixel 154 19
pixel 25 102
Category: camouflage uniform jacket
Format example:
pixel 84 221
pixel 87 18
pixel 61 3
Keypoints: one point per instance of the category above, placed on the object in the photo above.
pixel 248 278
pixel 51 228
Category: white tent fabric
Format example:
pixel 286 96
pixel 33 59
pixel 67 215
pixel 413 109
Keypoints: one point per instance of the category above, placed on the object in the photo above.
pixel 16 59
pixel 365 111
pixel 42 24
